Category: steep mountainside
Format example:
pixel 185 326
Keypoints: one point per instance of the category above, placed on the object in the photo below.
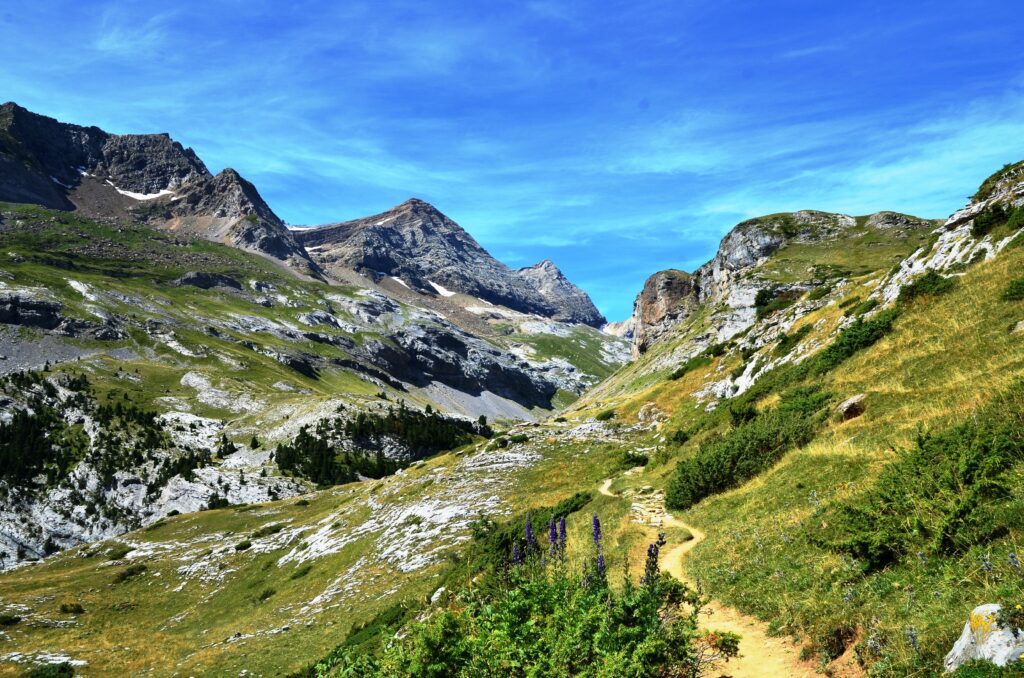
pixel 426 250
pixel 161 285
pixel 824 423
pixel 144 177
pixel 776 446
pixel 222 339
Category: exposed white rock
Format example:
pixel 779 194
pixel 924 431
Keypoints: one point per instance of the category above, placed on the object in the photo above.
pixel 984 638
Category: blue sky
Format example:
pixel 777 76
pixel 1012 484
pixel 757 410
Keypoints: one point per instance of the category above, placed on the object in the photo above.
pixel 616 138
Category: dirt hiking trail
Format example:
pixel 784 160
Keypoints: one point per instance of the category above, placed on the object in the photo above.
pixel 761 655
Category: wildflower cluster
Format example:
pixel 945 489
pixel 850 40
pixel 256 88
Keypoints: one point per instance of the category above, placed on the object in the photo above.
pixel 537 616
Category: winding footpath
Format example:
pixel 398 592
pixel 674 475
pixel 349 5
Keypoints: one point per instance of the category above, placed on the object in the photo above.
pixel 761 655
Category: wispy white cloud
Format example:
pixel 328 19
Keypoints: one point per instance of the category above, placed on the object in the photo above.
pixel 119 33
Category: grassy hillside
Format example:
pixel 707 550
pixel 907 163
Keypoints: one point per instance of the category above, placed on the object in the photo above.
pixel 866 540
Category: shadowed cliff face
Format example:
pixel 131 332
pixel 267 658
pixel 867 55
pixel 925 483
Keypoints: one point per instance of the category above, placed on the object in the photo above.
pixel 428 251
pixel 138 177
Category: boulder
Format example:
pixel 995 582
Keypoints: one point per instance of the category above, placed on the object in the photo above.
pixel 851 408
pixel 984 638
pixel 29 309
pixel 206 281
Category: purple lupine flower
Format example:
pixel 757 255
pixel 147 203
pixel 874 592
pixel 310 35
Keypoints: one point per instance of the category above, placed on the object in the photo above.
pixel 531 538
pixel 552 534
pixel 1014 563
pixel 562 538
pixel 651 566
pixel 517 556
pixel 597 529
pixel 600 564
pixel 912 638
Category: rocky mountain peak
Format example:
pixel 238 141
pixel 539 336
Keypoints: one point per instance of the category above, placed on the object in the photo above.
pixel 143 177
pixel 425 249
pixel 575 304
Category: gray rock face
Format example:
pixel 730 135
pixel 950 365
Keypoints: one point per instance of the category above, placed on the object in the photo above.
pixel 984 638
pixel 149 176
pixel 425 354
pixel 18 308
pixel 205 281
pixel 58 153
pixel 670 297
pixel 573 304
pixel 425 249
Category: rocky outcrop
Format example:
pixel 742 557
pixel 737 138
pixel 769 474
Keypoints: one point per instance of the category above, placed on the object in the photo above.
pixel 422 354
pixel 727 286
pixel 984 638
pixel 29 310
pixel 573 304
pixel 668 297
pixel 958 245
pixel 426 250
pixel 852 407
pixel 145 177
pixel 205 281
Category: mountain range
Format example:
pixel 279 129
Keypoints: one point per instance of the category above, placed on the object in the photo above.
pixel 232 446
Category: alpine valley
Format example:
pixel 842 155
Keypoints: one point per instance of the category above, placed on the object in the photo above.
pixel 229 446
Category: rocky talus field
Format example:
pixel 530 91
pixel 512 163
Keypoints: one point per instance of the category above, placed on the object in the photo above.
pixel 233 447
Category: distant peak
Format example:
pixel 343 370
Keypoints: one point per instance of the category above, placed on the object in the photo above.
pixel 416 205
pixel 545 265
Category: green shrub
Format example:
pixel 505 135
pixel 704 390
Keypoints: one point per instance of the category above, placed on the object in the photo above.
pixel 605 416
pixel 693 363
pixel 951 491
pixel 861 334
pixel 1016 218
pixel 768 301
pixel 819 292
pixel 302 502
pixel 118 551
pixel 747 450
pixel 850 301
pixel 518 438
pixel 62 670
pixel 301 572
pixel 266 594
pixel 993 217
pixel 243 545
pixel 546 618
pixel 803 400
pixel 716 350
pixel 787 342
pixel 985 669
pixel 1014 290
pixel 679 437
pixel 129 572
pixel 72 608
pixel 987 220
pixel 863 307
pixel 931 284
pixel 268 530
pixel 631 459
